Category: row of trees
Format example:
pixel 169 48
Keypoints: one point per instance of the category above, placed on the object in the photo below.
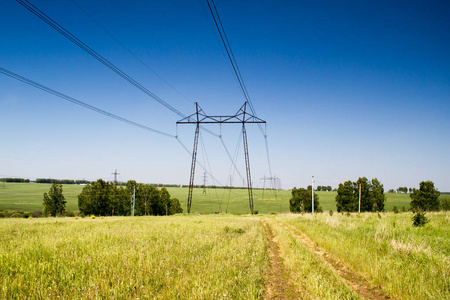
pixel 104 198
pixel 372 195
pixel 322 188
pixel 21 180
pixel 62 181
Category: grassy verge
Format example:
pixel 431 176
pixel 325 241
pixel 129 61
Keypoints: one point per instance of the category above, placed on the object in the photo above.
pixel 200 257
pixel 407 262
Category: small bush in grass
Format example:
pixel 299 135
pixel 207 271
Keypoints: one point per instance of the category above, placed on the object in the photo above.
pixel 395 210
pixel 331 213
pixel 76 217
pixel 36 214
pixel 69 213
pixel 419 219
pixel 92 217
pixel 379 215
pixel 16 215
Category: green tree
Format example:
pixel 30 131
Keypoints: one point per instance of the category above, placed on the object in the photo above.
pixel 96 199
pixel 346 200
pixel 54 201
pixel 426 198
pixel 378 196
pixel 301 201
pixel 372 195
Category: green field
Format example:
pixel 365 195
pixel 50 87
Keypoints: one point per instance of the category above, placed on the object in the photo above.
pixel 283 256
pixel 28 197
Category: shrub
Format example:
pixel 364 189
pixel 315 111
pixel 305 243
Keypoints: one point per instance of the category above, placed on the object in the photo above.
pixel 69 213
pixel 36 214
pixel 331 213
pixel 419 219
pixel 18 214
pixel 395 210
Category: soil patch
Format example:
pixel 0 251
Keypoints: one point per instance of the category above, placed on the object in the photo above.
pixel 277 286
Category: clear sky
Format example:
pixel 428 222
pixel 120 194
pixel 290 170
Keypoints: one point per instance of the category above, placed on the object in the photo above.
pixel 348 89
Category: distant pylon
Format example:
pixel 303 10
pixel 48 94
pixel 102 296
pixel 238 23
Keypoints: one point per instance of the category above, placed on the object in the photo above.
pixel 115 176
pixel 204 182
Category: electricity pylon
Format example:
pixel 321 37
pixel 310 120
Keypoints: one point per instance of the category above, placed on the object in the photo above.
pixel 241 117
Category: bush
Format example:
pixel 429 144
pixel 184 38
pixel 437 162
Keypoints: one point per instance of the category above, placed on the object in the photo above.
pixel 18 214
pixel 69 213
pixel 419 219
pixel 395 210
pixel 36 214
pixel 331 213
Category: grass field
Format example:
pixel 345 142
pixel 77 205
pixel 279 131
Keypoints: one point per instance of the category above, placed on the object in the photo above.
pixel 281 256
pixel 28 197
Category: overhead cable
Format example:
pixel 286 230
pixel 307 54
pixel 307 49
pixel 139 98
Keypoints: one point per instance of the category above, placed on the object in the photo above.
pixel 131 53
pixel 78 102
pixel 36 11
pixel 218 22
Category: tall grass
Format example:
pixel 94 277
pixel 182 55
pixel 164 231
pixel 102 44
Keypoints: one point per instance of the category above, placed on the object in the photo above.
pixel 407 262
pixel 180 257
pixel 310 275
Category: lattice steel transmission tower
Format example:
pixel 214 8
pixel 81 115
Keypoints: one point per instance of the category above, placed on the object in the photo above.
pixel 115 176
pixel 241 117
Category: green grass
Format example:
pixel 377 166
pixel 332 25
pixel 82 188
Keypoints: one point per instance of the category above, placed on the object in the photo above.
pixel 220 256
pixel 28 197
pixel 177 257
pixel 407 262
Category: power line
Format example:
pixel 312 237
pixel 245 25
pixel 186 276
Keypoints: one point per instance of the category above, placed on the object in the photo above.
pixel 218 22
pixel 130 52
pixel 78 102
pixel 36 11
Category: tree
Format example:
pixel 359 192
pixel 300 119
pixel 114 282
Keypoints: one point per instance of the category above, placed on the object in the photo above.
pixel 54 201
pixel 96 199
pixel 346 200
pixel 426 198
pixel 301 201
pixel 372 195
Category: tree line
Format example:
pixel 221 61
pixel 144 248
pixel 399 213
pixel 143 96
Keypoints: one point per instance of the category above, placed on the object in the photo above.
pixel 20 180
pixel 103 198
pixel 373 199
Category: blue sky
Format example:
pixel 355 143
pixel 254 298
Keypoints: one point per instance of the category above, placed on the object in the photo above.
pixel 348 89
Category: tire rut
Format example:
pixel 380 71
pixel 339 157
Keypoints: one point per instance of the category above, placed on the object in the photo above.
pixel 355 281
pixel 277 286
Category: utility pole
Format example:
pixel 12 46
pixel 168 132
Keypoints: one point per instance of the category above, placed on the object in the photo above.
pixel 241 117
pixel 115 176
pixel 133 201
pixel 312 193
pixel 359 207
